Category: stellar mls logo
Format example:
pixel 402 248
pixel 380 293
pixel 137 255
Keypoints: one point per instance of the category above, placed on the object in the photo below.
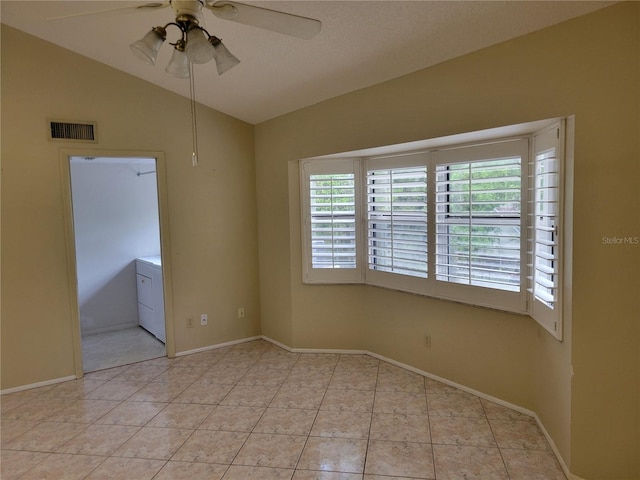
pixel 620 240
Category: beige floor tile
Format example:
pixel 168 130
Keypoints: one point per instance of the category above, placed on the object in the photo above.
pixel 265 376
pixel 250 396
pixel 468 463
pixel 14 428
pixel 140 373
pixel 191 471
pixel 223 375
pixel 342 424
pixel 498 412
pixel 315 379
pixel 459 405
pixel 232 418
pixel 211 446
pixel 132 413
pixel 99 440
pixel 354 380
pixel 46 437
pixel 400 428
pixel 163 392
pixel 385 477
pixel 316 475
pixel 256 411
pixel 296 397
pixel 348 400
pixel 203 393
pixel 532 465
pixel 63 466
pixel 116 468
pixel 439 388
pixel 73 390
pixel 115 390
pixel 413 460
pixel 401 402
pixel 519 434
pixel 84 411
pixel 317 361
pixel 181 373
pixel 240 472
pixel 106 374
pixel 357 361
pixel 333 454
pixel 14 464
pixel 202 359
pixel 400 382
pixel 270 450
pixel 286 421
pixel 34 409
pixel 462 431
pixel 177 415
pixel 156 443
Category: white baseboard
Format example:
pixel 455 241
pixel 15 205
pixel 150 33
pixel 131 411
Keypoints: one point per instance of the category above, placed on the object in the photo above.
pixel 37 385
pixel 218 345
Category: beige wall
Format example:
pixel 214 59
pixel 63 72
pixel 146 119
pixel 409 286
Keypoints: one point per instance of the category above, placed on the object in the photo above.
pixel 212 218
pixel 588 67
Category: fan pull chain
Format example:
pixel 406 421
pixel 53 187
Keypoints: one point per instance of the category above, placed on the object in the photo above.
pixel 194 121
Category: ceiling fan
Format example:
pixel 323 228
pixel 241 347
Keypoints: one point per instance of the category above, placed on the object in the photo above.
pixel 195 44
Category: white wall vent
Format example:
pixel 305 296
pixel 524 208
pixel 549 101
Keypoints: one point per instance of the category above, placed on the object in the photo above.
pixel 73 131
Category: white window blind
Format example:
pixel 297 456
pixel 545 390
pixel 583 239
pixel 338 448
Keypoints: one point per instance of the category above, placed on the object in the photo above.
pixel 330 224
pixel 397 220
pixel 545 223
pixel 478 223
pixel 333 223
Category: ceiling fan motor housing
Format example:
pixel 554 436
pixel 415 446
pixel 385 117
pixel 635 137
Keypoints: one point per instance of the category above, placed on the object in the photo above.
pixel 190 8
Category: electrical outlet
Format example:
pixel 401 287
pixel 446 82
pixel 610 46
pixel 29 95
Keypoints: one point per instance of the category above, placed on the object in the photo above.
pixel 189 322
pixel 427 341
pixel 203 319
pixel 241 312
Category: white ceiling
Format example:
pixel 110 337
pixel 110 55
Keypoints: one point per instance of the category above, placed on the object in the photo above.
pixel 362 43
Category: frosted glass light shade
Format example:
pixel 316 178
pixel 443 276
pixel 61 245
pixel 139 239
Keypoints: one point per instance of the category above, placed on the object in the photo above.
pixel 179 64
pixel 198 48
pixel 146 49
pixel 224 58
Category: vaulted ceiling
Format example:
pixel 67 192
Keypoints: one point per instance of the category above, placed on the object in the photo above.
pixel 361 43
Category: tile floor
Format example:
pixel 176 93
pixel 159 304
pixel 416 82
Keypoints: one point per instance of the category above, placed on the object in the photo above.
pixel 120 347
pixel 255 411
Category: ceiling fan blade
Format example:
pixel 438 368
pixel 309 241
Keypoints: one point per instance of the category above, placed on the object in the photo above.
pixel 109 10
pixel 276 21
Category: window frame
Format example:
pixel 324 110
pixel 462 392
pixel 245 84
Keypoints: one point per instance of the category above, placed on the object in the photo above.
pixel 472 294
pixel 378 277
pixel 329 275
pixel 525 138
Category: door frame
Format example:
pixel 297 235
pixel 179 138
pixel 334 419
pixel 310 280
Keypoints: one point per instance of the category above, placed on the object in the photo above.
pixel 165 251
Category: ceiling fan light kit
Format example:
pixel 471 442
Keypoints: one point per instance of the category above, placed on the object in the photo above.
pixel 195 45
pixel 146 49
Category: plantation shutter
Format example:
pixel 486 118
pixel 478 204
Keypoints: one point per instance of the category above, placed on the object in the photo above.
pixel 479 223
pixel 546 222
pixel 396 201
pixel 330 222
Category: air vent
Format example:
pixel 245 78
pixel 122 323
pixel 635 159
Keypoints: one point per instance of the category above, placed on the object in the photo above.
pixel 72 131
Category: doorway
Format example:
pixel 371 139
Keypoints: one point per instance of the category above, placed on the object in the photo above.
pixel 118 260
